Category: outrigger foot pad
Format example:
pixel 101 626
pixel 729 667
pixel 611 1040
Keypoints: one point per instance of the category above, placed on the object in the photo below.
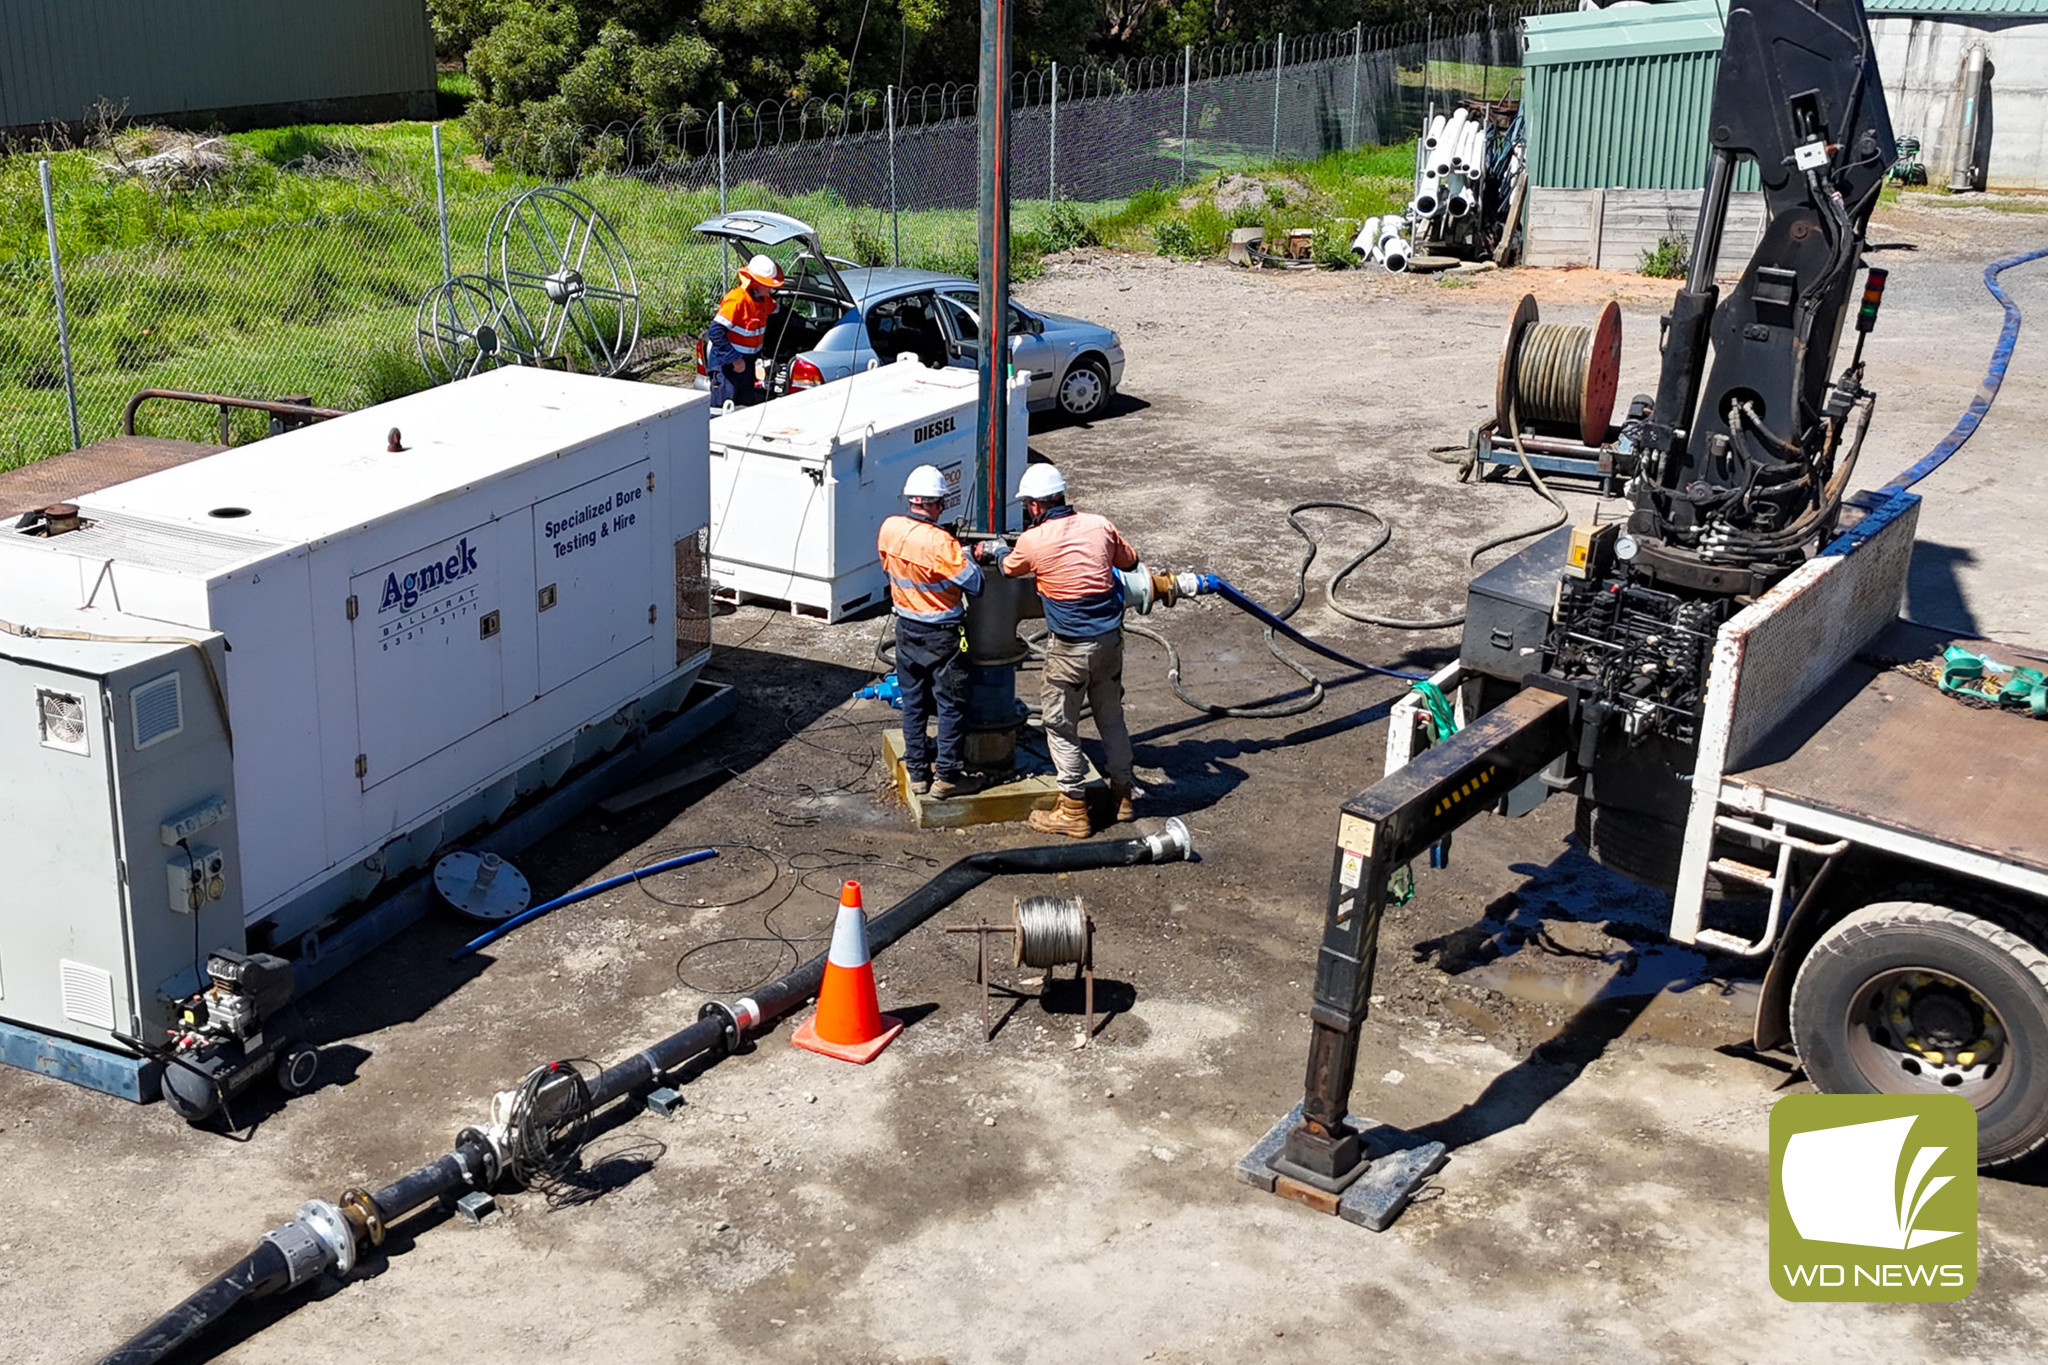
pixel 1397 1163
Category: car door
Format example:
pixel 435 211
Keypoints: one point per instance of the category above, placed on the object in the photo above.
pixel 1028 348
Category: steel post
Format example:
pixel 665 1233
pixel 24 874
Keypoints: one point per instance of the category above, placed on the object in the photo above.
pixel 57 285
pixel 895 219
pixel 1052 143
pixel 1279 61
pixel 724 250
pixel 994 405
pixel 441 208
pixel 1357 60
pixel 1187 80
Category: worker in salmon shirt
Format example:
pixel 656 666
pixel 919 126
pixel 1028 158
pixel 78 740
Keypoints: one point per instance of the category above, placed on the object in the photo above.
pixel 1075 556
pixel 733 340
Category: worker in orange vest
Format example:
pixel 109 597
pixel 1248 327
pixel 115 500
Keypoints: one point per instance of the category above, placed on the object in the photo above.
pixel 1075 556
pixel 733 340
pixel 930 577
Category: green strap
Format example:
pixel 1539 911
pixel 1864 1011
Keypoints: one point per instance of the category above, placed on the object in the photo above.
pixel 1443 718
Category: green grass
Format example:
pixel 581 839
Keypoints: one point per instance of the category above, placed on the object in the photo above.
pixel 1341 191
pixel 301 269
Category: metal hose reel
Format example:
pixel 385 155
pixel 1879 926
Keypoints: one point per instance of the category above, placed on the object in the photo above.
pixel 1046 932
pixel 570 278
pixel 1558 375
pixel 469 325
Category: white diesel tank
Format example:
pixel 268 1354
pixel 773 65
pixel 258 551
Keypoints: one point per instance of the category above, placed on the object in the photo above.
pixel 800 486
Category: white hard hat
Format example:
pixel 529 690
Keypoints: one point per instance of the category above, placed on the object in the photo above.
pixel 1041 481
pixel 763 271
pixel 925 481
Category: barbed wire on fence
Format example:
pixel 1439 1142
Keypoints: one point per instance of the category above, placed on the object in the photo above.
pixel 184 291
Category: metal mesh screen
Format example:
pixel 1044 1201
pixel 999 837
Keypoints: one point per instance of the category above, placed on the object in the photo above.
pixel 693 595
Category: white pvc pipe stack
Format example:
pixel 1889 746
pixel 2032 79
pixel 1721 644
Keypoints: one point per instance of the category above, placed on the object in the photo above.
pixel 1435 136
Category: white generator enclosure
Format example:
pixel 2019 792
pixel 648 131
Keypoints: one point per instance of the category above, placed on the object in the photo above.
pixel 800 486
pixel 425 611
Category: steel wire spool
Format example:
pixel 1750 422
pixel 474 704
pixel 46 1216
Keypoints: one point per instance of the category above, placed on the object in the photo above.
pixel 1052 931
pixel 1560 375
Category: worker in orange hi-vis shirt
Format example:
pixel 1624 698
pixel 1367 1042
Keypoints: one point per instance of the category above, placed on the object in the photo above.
pixel 733 340
pixel 1075 556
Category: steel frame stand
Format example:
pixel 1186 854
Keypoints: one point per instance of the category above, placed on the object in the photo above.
pixel 1084 972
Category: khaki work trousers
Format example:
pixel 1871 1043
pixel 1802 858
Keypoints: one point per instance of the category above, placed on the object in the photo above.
pixel 1091 671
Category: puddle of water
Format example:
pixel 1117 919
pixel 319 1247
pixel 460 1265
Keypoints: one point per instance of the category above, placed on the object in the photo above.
pixel 1540 978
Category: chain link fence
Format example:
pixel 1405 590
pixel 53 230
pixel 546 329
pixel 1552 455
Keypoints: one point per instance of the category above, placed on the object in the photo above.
pixel 294 262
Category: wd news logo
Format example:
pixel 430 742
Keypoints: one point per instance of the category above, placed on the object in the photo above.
pixel 1873 1198
pixel 405 593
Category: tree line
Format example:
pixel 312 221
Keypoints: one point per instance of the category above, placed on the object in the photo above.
pixel 546 68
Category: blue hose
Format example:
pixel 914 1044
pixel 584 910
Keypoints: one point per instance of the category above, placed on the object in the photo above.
pixel 596 888
pixel 1215 583
pixel 2001 356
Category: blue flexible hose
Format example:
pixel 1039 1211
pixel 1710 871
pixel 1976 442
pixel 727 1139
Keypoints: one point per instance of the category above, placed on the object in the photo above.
pixel 2001 356
pixel 1215 583
pixel 497 932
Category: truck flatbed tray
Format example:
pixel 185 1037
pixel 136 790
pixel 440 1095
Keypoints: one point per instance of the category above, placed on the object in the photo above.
pixel 92 468
pixel 1879 744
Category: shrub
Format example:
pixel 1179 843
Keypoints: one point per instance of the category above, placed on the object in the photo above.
pixel 1668 260
pixel 1175 237
pixel 865 243
pixel 391 371
pixel 1064 228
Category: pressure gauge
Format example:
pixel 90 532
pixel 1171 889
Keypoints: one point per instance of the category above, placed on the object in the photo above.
pixel 1625 547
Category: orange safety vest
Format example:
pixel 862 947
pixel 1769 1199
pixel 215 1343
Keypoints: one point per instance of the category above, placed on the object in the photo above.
pixel 928 570
pixel 745 319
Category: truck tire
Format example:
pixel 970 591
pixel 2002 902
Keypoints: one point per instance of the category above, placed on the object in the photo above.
pixel 1908 997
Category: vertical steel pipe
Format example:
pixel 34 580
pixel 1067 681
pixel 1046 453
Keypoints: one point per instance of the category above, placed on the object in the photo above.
pixel 1279 63
pixel 994 405
pixel 724 248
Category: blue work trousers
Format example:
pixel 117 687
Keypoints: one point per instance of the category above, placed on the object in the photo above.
pixel 931 668
pixel 741 390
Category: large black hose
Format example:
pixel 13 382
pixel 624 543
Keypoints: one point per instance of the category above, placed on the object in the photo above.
pixel 256 1274
pixel 474 1164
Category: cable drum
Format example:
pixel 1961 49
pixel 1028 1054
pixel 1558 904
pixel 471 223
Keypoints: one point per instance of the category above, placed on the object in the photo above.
pixel 1560 375
pixel 1052 931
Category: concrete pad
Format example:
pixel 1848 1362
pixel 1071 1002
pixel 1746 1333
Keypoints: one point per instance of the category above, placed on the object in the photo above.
pixel 1031 787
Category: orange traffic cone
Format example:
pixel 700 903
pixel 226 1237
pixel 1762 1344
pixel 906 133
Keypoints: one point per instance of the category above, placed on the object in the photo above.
pixel 849 1023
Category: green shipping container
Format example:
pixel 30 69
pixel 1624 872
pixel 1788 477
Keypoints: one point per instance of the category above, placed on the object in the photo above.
pixel 1619 98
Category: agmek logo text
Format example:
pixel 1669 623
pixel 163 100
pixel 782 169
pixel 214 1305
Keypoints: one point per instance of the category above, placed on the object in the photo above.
pixel 1873 1198
pixel 403 594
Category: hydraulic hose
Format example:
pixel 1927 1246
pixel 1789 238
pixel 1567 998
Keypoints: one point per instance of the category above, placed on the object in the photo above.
pixel 327 1237
pixel 2001 357
pixel 527 916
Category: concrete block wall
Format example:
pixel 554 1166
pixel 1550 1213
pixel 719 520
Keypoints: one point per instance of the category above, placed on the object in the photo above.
pixel 1611 229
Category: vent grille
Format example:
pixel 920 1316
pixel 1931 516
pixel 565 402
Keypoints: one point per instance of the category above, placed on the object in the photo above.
pixel 88 994
pixel 693 595
pixel 159 710
pixel 61 717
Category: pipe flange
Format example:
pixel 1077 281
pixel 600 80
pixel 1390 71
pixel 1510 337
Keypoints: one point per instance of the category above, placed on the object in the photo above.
pixel 328 1224
pixel 729 1026
pixel 361 1210
pixel 478 1150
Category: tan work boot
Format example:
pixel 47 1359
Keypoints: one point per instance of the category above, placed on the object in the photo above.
pixel 1069 817
pixel 1126 795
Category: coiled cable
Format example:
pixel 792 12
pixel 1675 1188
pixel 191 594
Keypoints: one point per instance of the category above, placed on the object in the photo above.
pixel 1052 931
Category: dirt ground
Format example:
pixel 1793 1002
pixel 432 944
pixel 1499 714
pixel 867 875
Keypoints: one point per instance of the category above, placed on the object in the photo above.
pixel 1024 1200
